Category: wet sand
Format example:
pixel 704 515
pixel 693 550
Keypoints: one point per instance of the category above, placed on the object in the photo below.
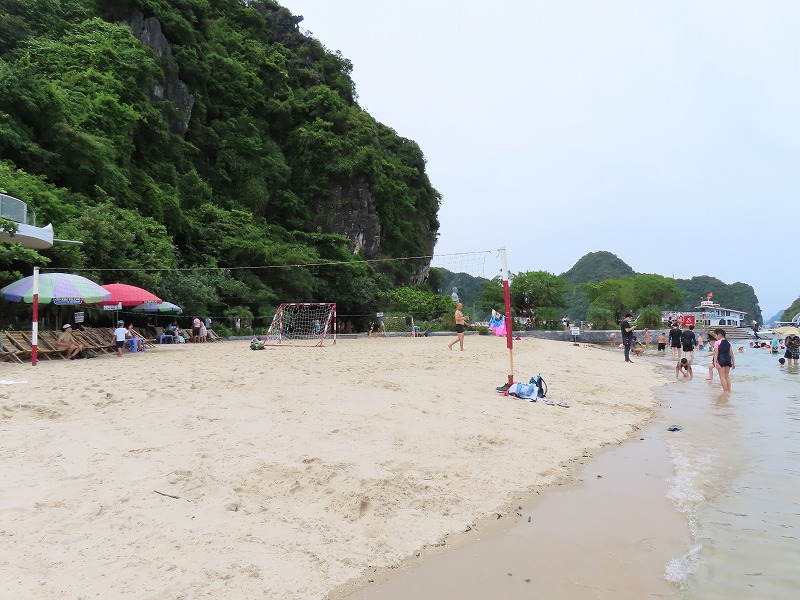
pixel 608 534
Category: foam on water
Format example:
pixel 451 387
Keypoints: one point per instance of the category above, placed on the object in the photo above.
pixel 737 472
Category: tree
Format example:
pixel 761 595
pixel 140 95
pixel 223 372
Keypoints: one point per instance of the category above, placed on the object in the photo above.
pixel 649 316
pixel 418 302
pixel 655 290
pixel 600 316
pixel 616 295
pixel 537 290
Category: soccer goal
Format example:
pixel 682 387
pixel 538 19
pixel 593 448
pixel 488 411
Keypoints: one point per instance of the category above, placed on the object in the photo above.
pixel 302 324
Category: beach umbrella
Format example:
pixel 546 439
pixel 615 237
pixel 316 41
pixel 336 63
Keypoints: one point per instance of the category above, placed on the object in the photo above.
pixel 56 288
pixel 787 331
pixel 128 295
pixel 165 308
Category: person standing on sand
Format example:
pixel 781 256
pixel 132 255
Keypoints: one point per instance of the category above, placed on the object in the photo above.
pixel 646 337
pixel 196 324
pixel 461 321
pixel 724 359
pixel 627 336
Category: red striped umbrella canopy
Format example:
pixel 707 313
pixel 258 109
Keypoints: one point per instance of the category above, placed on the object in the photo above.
pixel 128 295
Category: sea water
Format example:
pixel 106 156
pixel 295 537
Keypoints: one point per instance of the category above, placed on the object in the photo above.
pixel 737 480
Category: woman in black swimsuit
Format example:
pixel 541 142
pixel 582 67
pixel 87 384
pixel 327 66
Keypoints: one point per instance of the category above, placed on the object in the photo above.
pixel 724 359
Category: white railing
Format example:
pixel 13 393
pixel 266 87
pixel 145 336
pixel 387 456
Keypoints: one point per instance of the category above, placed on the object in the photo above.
pixel 16 210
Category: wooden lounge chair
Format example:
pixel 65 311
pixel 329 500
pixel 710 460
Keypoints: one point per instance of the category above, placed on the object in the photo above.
pixel 10 352
pixel 45 348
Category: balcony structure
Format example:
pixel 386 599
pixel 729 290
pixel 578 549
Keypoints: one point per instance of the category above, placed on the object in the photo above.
pixel 28 234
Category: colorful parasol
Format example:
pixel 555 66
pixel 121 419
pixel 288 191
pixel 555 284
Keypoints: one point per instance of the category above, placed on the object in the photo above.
pixel 56 288
pixel 166 308
pixel 128 295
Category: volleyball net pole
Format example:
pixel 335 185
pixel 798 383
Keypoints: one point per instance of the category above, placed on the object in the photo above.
pixel 509 320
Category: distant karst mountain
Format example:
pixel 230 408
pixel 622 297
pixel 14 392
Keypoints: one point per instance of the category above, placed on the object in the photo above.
pixel 596 267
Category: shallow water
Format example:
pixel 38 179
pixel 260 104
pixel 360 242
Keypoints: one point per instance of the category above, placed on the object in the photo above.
pixel 733 472
pixel 737 480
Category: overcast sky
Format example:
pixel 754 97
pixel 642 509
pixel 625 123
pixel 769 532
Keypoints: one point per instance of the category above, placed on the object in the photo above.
pixel 667 133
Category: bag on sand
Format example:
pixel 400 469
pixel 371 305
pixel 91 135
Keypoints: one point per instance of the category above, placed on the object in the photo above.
pixel 541 386
pixel 256 346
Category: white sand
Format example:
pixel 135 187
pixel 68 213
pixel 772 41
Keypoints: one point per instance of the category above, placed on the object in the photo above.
pixel 296 469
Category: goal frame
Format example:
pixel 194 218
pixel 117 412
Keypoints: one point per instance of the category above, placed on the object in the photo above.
pixel 277 325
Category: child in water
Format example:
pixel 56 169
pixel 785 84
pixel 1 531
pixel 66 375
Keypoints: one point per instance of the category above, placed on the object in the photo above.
pixel 685 366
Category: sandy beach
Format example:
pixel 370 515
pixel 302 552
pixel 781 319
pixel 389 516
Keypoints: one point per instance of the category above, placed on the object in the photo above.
pixel 211 470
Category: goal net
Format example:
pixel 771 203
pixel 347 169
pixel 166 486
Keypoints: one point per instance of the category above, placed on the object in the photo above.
pixel 302 324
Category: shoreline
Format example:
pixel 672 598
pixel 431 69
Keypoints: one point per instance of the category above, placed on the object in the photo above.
pixel 296 469
pixel 631 550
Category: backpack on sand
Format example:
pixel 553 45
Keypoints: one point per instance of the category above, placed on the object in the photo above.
pixel 541 386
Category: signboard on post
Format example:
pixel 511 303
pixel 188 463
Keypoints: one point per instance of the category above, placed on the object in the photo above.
pixel 688 321
pixel 78 317
pixel 576 331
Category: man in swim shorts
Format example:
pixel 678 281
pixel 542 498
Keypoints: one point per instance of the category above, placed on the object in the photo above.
pixel 662 343
pixel 461 322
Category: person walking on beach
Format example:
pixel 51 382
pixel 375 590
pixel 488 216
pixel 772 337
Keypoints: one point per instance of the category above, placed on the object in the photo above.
pixel 724 359
pixel 646 338
pixel 120 333
pixel 461 321
pixel 627 336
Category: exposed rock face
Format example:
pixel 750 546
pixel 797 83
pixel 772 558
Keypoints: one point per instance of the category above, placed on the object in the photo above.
pixel 355 218
pixel 148 32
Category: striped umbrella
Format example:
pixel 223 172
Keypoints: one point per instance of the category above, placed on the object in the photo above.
pixel 56 288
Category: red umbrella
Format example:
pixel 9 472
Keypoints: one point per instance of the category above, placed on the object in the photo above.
pixel 128 295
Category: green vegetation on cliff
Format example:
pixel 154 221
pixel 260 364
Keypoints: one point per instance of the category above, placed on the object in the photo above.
pixel 790 312
pixel 194 134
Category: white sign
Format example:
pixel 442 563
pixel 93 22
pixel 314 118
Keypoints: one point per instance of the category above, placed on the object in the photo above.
pixel 576 331
pixel 78 317
pixel 117 306
pixel 380 314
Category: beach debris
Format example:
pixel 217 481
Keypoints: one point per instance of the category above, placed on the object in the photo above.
pixel 167 495
pixel 599 476
pixel 563 405
pixel 498 515
pixel 528 580
pixel 674 428
pixel 509 574
pixel 529 519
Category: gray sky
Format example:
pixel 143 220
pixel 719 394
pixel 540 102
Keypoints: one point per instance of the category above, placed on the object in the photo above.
pixel 667 133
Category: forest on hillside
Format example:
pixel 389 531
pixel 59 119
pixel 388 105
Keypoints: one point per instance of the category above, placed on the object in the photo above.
pixel 204 150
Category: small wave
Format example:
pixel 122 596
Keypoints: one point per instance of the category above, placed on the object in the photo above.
pixel 678 570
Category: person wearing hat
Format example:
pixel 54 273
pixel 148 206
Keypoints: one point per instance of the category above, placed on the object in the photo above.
pixel 120 333
pixel 67 342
